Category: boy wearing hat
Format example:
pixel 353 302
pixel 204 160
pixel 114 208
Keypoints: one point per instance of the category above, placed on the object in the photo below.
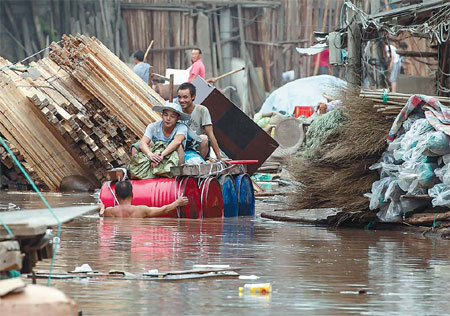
pixel 168 130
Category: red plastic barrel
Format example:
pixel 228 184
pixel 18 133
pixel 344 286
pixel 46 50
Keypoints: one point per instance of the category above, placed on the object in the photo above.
pixel 160 192
pixel 211 198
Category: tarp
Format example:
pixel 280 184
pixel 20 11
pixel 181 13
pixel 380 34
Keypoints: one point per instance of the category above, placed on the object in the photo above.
pixel 301 92
pixel 313 50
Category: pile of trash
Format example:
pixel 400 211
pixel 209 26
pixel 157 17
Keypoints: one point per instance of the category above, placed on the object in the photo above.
pixel 416 163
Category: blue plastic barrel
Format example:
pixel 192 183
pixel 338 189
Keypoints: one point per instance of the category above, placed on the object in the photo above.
pixel 229 193
pixel 246 196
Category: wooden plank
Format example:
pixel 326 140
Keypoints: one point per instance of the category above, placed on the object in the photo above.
pixel 11 285
pixel 174 275
pixel 238 136
pixel 196 271
pixel 35 222
pixel 309 216
pixel 10 256
pixel 208 169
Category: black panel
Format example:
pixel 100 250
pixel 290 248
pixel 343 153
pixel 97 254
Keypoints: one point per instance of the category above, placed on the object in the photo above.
pixel 237 127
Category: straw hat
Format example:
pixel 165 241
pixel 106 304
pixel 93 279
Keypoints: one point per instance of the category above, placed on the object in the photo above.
pixel 172 107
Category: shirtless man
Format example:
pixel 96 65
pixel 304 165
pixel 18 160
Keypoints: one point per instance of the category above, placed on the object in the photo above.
pixel 124 193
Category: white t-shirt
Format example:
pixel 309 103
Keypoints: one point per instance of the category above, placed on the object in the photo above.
pixel 155 133
pixel 392 50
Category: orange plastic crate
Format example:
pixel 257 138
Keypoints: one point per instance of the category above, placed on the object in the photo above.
pixel 306 111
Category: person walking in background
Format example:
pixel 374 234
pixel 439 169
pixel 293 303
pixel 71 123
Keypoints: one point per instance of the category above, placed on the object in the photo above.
pixel 142 69
pixel 197 68
pixel 324 57
pixel 395 64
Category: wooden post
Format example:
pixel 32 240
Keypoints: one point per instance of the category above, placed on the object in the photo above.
pixel 279 50
pixel 354 46
pixel 324 24
pixel 249 65
pixel 227 46
pixel 171 88
pixel 220 67
pixel 377 48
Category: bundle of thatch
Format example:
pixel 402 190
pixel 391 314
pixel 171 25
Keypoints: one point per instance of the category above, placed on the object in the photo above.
pixel 336 173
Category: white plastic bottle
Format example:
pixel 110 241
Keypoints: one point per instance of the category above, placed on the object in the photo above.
pixel 256 288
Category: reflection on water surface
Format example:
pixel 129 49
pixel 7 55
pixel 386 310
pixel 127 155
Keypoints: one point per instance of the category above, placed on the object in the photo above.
pixel 313 271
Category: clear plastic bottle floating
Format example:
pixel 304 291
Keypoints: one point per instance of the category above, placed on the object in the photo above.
pixel 256 289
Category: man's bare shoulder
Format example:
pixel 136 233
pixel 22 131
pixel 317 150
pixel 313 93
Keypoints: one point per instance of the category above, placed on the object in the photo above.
pixel 125 211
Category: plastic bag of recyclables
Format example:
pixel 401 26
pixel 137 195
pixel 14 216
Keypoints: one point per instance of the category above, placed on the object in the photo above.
pixel 411 166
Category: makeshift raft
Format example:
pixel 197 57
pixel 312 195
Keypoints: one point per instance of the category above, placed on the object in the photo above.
pixel 212 189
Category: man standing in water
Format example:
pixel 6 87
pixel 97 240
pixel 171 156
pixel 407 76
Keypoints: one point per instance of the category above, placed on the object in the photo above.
pixel 124 193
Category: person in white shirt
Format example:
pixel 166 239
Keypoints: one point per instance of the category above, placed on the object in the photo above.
pixel 394 65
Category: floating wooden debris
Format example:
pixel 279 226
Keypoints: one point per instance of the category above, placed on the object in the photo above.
pixel 310 216
pixel 180 275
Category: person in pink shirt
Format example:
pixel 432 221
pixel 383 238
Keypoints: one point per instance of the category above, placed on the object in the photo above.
pixel 323 62
pixel 197 68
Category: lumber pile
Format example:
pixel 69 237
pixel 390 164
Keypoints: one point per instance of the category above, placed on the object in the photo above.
pixel 11 177
pixel 98 137
pixel 75 112
pixel 103 74
pixel 391 104
pixel 25 126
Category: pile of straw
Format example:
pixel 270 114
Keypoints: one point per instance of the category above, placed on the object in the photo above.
pixel 336 174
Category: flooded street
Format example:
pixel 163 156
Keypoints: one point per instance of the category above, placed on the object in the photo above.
pixel 313 271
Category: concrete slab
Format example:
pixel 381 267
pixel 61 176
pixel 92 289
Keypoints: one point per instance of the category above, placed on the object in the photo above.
pixel 35 222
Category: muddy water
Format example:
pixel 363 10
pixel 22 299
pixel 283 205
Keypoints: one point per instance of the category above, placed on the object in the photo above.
pixel 313 271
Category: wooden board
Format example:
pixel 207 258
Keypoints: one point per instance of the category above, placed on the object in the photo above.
pixel 10 256
pixel 35 222
pixel 164 276
pixel 309 216
pixel 11 285
pixel 238 136
pixel 213 169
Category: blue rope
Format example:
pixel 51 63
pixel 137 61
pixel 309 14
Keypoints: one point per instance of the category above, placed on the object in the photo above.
pixel 385 96
pixel 58 234
pixel 6 226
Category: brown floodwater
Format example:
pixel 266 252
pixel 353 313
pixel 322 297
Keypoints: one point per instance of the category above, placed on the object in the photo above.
pixel 313 270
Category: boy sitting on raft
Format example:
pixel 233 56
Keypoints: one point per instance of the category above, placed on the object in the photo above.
pixel 168 130
pixel 124 193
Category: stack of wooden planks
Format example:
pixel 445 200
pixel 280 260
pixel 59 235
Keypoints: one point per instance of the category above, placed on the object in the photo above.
pixel 11 176
pixel 25 126
pixel 75 112
pixel 393 102
pixel 114 84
